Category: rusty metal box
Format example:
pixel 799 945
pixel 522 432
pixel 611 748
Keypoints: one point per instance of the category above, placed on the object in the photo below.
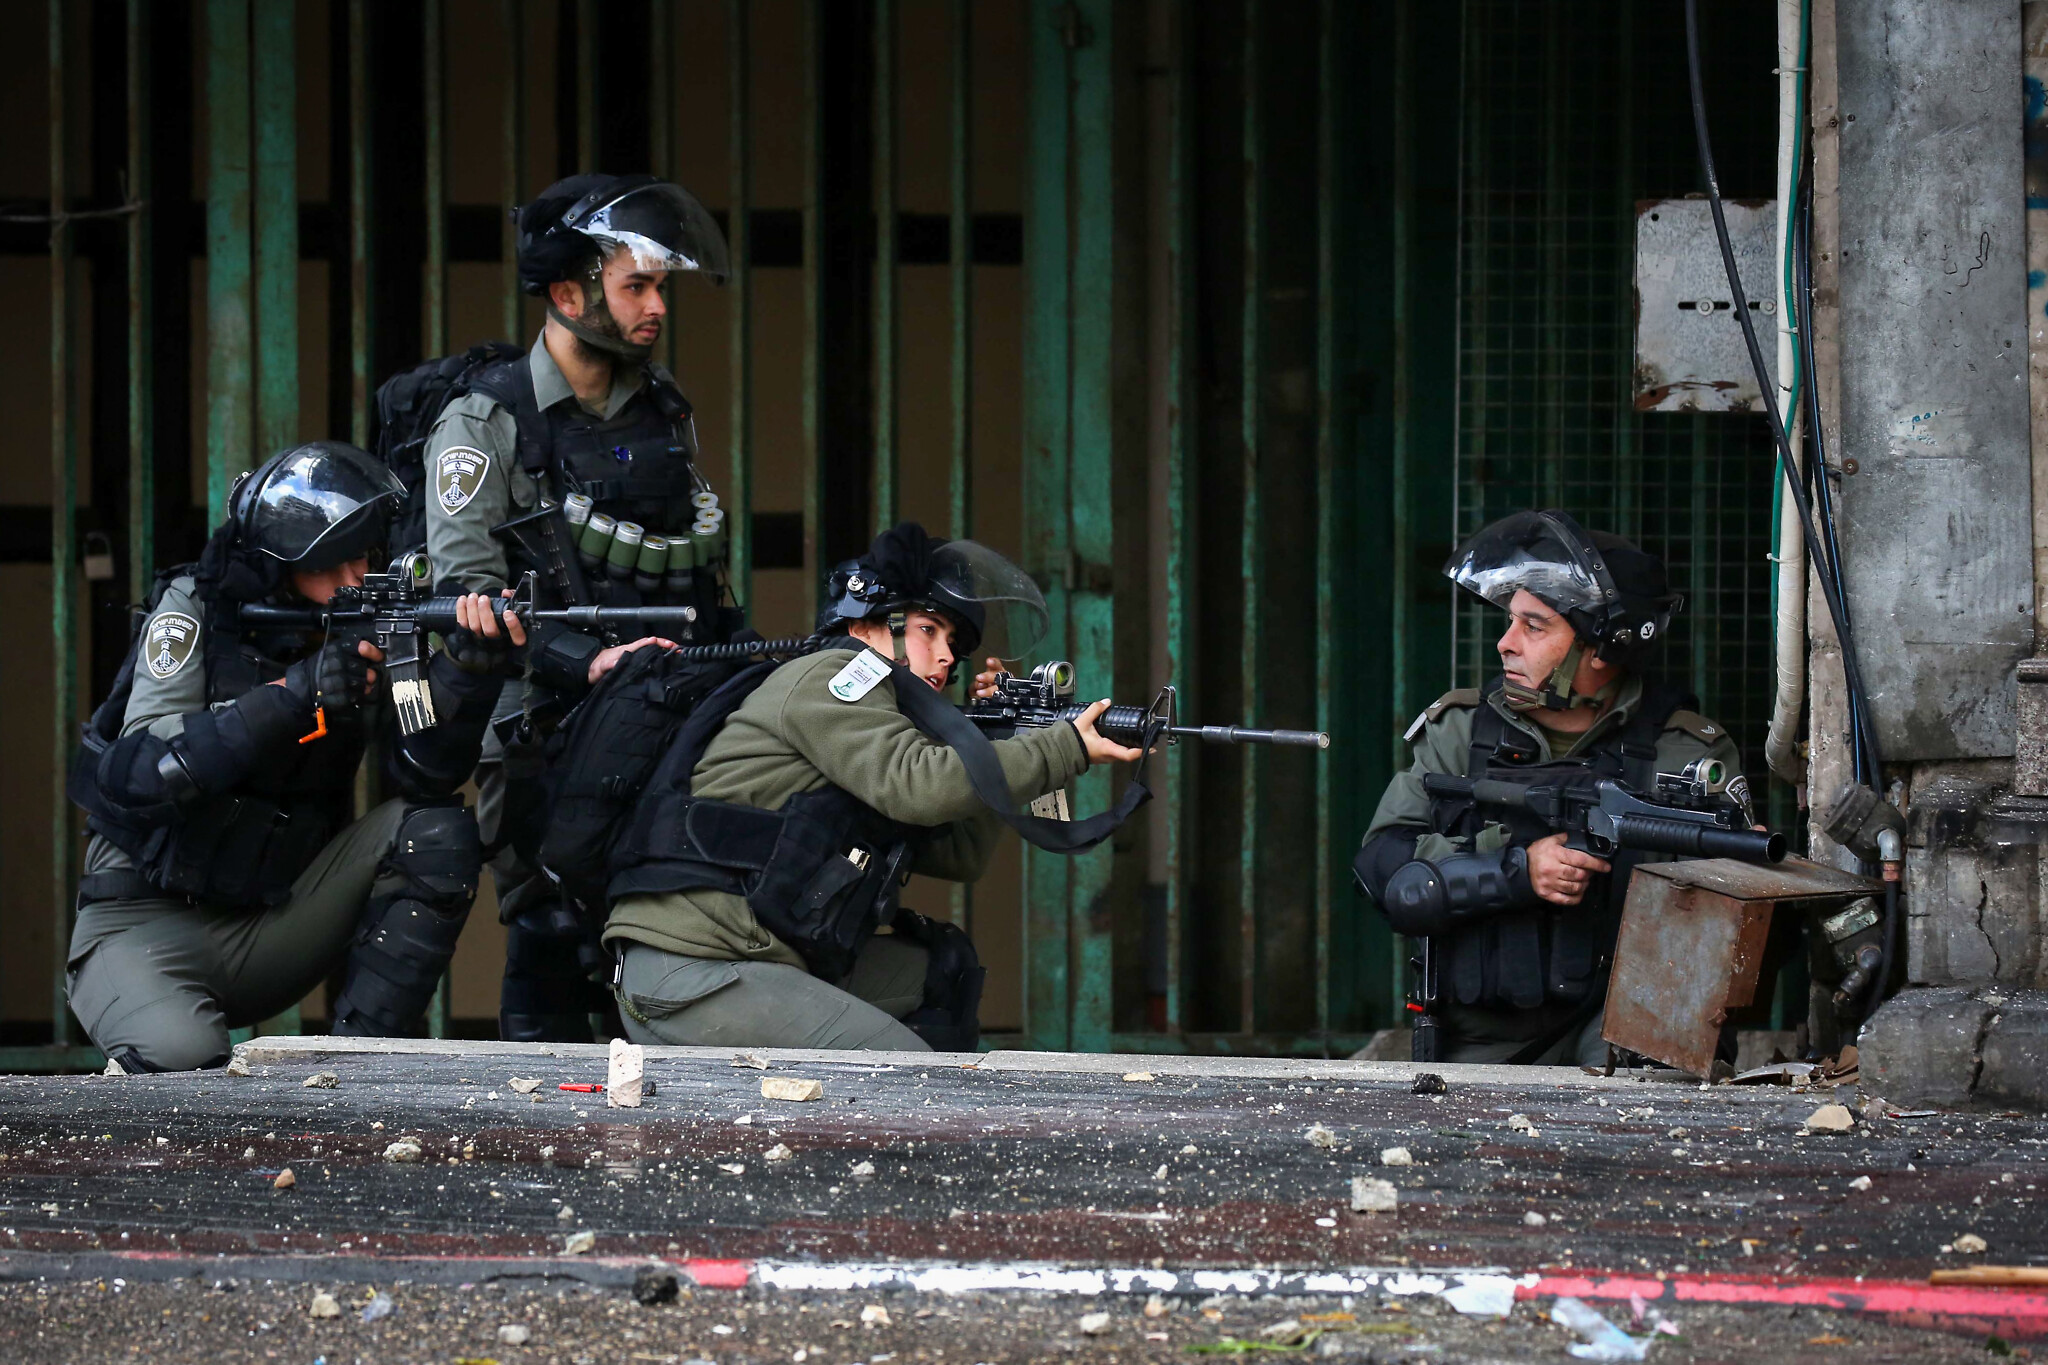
pixel 1691 948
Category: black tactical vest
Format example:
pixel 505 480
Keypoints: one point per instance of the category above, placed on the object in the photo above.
pixel 247 847
pixel 821 874
pixel 1558 955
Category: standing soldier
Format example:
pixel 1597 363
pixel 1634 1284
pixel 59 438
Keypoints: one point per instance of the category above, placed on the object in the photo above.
pixel 588 423
pixel 223 878
pixel 1517 928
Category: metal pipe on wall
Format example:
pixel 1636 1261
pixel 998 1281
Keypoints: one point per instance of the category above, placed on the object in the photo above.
pixel 960 268
pixel 230 311
pixel 814 299
pixel 1252 540
pixel 886 492
pixel 1181 504
pixel 1326 481
pixel 141 367
pixel 512 157
pixel 63 516
pixel 274 231
pixel 358 223
pixel 740 489
pixel 434 73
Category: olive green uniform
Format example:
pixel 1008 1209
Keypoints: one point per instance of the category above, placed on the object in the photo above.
pixel 1440 740
pixel 700 969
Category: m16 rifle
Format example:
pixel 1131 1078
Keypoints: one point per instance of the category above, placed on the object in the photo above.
pixel 1687 815
pixel 1047 696
pixel 394 609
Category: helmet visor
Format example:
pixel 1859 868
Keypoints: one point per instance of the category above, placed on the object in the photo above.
pixel 1014 617
pixel 323 504
pixel 1542 553
pixel 661 227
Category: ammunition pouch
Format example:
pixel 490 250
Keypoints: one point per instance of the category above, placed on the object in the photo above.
pixel 821 874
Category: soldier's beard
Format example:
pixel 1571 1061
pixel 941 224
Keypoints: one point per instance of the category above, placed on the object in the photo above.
pixel 597 336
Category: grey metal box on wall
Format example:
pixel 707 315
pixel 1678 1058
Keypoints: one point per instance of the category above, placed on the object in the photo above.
pixel 1690 355
pixel 1936 517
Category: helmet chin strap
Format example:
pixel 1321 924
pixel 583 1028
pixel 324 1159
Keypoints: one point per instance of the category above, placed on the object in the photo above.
pixel 899 622
pixel 1556 694
pixel 609 342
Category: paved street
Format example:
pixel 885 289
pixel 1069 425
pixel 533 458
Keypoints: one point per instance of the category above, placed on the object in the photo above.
pixel 1038 1187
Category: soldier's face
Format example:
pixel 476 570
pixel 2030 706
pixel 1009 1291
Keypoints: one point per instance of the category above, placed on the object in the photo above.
pixel 318 586
pixel 927 644
pixel 634 299
pixel 1535 642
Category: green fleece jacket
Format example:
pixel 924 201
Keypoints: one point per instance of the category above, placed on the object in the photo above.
pixel 793 736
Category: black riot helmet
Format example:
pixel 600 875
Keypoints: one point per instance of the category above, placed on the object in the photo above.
pixel 316 505
pixel 1614 595
pixel 572 228
pixel 991 601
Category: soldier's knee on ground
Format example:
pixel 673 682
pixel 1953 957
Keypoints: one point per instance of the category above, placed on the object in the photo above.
pixel 410 925
pixel 949 1016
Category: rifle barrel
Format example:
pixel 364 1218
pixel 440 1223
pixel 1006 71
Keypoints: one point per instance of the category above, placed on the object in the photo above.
pixel 1237 734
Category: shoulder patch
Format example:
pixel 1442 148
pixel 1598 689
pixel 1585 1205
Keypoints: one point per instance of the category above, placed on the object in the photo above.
pixel 169 642
pixel 458 474
pixel 1462 697
pixel 1696 725
pixel 862 675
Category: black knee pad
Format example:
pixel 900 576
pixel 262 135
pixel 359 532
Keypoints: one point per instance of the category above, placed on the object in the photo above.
pixel 949 1016
pixel 550 988
pixel 411 922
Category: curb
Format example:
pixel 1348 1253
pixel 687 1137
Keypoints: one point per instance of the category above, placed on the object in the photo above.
pixel 2015 1314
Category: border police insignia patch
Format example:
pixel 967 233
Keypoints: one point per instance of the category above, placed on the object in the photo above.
pixel 458 474
pixel 169 642
pixel 860 677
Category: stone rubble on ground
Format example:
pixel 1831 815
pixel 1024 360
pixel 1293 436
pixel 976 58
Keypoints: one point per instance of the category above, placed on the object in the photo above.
pixel 285 1179
pixel 405 1149
pixel 792 1089
pixel 514 1334
pixel 1094 1324
pixel 1830 1118
pixel 321 1080
pixel 324 1305
pixel 1396 1156
pixel 524 1085
pixel 579 1242
pixel 1369 1195
pixel 1319 1136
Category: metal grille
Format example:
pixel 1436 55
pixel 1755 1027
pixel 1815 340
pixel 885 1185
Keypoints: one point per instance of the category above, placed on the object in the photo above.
pixel 1571 114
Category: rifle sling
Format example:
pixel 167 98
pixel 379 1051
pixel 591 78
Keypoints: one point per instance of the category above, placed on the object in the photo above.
pixel 946 723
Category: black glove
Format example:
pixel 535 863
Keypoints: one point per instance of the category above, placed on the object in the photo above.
pixel 334 675
pixel 484 654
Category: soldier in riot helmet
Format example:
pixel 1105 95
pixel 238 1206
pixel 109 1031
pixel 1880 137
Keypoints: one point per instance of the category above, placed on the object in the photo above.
pixel 1517 929
pixel 224 876
pixel 773 837
pixel 586 422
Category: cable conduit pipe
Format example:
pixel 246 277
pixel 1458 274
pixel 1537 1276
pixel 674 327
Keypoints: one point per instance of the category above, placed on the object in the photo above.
pixel 1781 745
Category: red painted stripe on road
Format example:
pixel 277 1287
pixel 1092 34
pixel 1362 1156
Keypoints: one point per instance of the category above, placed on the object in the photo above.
pixel 718 1274
pixel 2011 1313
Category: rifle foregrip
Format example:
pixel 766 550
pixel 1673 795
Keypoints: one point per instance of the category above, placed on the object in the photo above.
pixel 1652 834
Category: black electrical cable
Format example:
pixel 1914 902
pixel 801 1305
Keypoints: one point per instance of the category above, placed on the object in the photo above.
pixel 1830 589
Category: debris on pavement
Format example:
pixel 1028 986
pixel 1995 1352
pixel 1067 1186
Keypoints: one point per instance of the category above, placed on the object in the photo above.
pixel 1830 1118
pixel 1861 1182
pixel 792 1089
pixel 514 1334
pixel 322 1080
pixel 405 1149
pixel 1970 1244
pixel 779 1152
pixel 1520 1123
pixel 524 1085
pixel 863 1170
pixel 565 1214
pixel 1319 1136
pixel 1603 1340
pixel 1138 1076
pixel 579 1242
pixel 1396 1156
pixel 238 1066
pixel 1370 1195
pixel 628 1069
pixel 285 1180
pixel 380 1306
pixel 1157 1307
pixel 1427 1083
pixel 1533 1219
pixel 732 1167
pixel 752 1059
pixel 1094 1324
pixel 113 1068
pixel 655 1285
pixel 874 1315
pixel 324 1305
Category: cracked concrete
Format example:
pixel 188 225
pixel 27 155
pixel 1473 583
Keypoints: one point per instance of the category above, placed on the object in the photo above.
pixel 1957 1046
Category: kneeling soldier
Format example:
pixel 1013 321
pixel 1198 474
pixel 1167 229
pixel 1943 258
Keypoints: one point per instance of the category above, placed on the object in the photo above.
pixel 795 800
pixel 223 878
